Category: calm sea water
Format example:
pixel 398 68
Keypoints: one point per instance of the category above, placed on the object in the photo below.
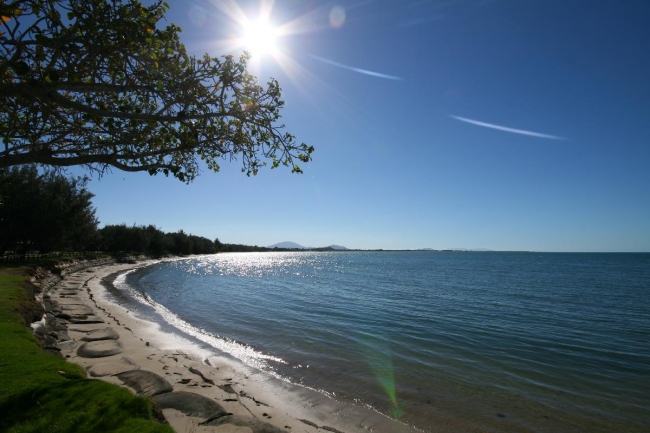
pixel 440 340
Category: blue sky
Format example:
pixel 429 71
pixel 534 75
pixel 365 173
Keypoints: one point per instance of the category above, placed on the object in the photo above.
pixel 502 124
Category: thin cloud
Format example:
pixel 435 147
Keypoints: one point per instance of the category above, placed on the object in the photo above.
pixel 351 68
pixel 506 129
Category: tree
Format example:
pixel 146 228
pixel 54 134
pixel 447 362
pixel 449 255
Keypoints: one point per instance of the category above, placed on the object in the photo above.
pixel 44 212
pixel 99 83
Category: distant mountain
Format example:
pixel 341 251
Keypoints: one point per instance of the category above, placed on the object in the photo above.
pixel 469 249
pixel 288 245
pixel 294 246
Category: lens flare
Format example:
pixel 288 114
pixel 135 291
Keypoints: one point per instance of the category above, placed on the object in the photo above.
pixel 198 16
pixel 337 17
pixel 380 359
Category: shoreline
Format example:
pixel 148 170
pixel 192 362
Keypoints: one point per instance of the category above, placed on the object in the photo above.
pixel 241 390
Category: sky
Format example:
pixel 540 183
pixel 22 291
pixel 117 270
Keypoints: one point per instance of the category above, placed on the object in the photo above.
pixel 498 124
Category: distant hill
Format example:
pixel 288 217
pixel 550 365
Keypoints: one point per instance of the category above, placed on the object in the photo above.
pixel 288 245
pixel 470 249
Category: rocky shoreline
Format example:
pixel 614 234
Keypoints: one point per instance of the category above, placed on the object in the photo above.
pixel 68 315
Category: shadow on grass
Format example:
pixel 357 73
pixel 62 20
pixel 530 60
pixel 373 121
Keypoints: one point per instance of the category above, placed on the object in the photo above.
pixel 79 406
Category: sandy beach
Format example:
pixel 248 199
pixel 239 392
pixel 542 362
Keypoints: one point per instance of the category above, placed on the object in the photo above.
pixel 196 393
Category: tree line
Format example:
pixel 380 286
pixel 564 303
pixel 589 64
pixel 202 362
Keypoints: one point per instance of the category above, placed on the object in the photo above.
pixel 47 211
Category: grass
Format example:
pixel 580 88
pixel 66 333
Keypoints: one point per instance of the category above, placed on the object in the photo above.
pixel 40 392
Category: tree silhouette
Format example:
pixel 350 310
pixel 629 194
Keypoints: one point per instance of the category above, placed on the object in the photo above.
pixel 102 84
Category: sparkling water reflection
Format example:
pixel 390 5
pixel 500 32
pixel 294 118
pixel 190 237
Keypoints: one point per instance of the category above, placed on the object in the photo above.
pixel 512 342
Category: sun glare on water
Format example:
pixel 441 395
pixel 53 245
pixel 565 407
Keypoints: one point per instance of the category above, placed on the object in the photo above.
pixel 260 38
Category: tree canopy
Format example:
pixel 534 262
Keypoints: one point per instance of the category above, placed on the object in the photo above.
pixel 44 212
pixel 100 83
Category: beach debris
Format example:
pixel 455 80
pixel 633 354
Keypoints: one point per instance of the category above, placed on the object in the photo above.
pixel 306 421
pixel 190 404
pixel 201 375
pixel 313 424
pixel 332 429
pixel 100 349
pixel 257 402
pixel 145 382
pixel 228 388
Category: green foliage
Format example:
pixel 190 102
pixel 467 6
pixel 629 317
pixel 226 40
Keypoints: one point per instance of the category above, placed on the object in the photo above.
pixel 45 211
pixel 40 392
pixel 102 84
pixel 151 240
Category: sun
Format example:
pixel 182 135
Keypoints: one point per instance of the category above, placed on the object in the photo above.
pixel 260 38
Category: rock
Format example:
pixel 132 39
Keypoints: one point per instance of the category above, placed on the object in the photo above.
pixel 60 325
pixel 85 319
pixel 255 425
pixel 67 347
pixel 38 328
pixel 100 349
pixel 77 310
pixel 111 368
pixel 144 382
pixel 55 352
pixel 190 404
pixel 67 307
pixel 50 342
pixel 101 334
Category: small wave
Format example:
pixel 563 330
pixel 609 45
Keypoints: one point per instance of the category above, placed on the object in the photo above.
pixel 243 352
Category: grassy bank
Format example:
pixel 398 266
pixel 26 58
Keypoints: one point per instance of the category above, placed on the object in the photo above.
pixel 40 392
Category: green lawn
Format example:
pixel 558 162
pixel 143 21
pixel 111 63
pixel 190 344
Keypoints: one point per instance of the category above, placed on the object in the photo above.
pixel 40 392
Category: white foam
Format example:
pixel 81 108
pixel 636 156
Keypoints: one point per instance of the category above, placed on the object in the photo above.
pixel 166 340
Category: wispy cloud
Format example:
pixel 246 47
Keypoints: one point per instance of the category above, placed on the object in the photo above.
pixel 506 129
pixel 351 68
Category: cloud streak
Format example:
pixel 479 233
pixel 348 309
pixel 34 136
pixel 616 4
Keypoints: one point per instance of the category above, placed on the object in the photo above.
pixel 351 68
pixel 506 129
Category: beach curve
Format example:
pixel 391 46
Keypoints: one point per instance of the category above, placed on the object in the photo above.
pixel 254 401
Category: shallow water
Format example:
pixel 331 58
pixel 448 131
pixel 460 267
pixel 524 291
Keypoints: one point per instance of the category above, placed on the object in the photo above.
pixel 440 340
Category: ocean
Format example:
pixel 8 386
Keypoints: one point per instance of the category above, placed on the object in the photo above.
pixel 442 341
